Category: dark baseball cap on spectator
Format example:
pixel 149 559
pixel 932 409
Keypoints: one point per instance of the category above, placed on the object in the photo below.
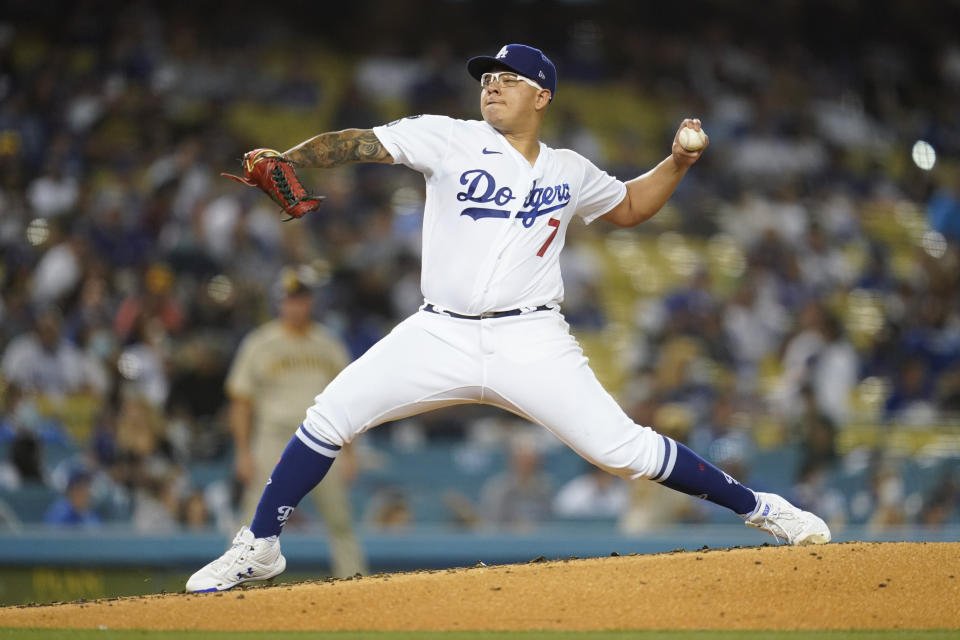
pixel 527 61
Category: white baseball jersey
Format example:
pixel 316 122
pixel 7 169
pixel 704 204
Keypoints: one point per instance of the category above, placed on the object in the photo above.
pixel 494 225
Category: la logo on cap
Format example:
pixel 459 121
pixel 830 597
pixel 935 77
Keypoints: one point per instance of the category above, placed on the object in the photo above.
pixel 502 53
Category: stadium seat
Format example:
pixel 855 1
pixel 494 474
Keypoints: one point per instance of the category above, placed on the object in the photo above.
pixel 30 503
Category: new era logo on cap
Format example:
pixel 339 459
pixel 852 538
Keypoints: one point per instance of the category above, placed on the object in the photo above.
pixel 525 60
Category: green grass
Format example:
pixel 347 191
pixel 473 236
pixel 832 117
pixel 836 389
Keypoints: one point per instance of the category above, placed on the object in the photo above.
pixel 85 634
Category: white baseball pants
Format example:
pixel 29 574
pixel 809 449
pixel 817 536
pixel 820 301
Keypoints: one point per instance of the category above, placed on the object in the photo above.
pixel 528 364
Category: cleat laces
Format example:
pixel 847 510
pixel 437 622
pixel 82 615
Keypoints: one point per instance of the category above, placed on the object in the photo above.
pixel 771 523
pixel 235 555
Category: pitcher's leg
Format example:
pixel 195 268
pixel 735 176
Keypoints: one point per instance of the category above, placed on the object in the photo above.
pixel 541 372
pixel 564 396
pixel 582 414
pixel 424 363
pixel 299 470
pixel 570 402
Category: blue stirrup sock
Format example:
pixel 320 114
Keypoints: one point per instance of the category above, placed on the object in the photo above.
pixel 683 470
pixel 300 469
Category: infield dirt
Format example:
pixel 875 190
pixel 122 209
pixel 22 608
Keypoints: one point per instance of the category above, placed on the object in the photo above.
pixel 840 586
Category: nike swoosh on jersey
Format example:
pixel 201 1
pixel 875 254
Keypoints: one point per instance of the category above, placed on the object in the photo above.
pixel 487 152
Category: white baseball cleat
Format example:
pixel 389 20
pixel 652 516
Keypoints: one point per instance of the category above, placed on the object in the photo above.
pixel 784 521
pixel 248 558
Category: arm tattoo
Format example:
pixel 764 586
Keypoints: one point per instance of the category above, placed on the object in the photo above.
pixel 337 148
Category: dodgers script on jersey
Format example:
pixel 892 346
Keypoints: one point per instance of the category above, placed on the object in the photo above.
pixel 493 225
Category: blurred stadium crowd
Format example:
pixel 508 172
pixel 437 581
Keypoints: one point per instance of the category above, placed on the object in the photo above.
pixel 798 301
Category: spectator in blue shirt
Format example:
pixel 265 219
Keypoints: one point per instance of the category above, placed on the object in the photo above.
pixel 73 508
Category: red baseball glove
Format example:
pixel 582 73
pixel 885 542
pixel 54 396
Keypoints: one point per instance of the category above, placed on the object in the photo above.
pixel 274 175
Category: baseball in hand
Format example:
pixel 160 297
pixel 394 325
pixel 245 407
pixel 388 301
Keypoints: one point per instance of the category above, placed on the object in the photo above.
pixel 691 139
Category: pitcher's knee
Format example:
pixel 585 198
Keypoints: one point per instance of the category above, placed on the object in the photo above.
pixel 326 422
pixel 638 456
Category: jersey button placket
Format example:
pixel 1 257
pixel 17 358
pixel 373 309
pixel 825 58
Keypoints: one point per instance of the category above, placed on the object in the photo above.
pixel 514 227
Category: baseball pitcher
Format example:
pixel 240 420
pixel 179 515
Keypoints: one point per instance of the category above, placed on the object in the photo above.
pixel 498 203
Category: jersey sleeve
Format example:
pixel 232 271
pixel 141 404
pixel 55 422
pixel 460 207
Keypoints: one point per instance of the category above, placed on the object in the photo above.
pixel 599 192
pixel 419 142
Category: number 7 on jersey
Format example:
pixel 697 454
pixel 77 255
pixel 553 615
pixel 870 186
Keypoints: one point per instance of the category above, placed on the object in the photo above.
pixel 555 223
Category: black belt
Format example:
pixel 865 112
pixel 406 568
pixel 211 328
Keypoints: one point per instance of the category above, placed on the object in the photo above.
pixel 484 316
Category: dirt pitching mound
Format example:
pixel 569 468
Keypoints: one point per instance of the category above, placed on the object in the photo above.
pixel 840 586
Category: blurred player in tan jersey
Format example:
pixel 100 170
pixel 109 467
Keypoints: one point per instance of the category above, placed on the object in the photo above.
pixel 278 370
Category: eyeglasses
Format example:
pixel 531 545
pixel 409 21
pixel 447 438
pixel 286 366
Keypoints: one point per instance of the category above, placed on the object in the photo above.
pixel 506 79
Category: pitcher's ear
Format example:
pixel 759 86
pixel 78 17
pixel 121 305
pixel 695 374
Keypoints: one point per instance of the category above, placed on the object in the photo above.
pixel 543 99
